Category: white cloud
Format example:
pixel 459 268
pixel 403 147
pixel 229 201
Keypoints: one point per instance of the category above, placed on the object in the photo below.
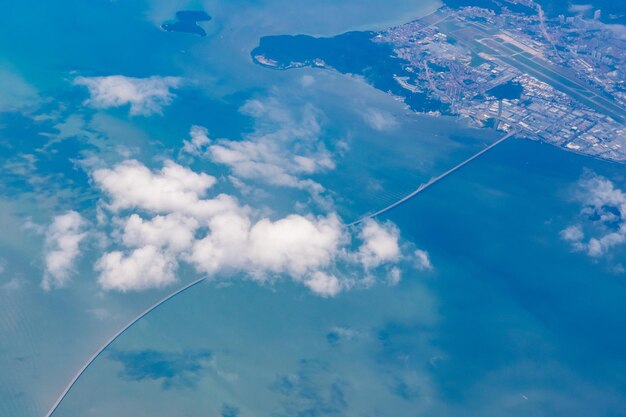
pixel 261 160
pixel 579 8
pixel 379 120
pixel 173 231
pixel 284 149
pixel 294 245
pixel 619 31
pixel 145 267
pixel 395 275
pixel 323 284
pixel 63 238
pixel 224 247
pixel 176 227
pixel 422 260
pixel 380 243
pixel 146 96
pixel 604 208
pixel 600 247
pixel 173 189
pixel 573 233
pixel 199 141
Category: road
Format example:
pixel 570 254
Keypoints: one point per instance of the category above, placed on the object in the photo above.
pixel 112 339
pixel 433 181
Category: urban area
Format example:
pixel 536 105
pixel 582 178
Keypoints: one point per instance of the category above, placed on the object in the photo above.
pixel 556 79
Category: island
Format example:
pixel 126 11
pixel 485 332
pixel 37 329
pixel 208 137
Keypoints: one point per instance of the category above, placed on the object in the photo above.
pixel 187 22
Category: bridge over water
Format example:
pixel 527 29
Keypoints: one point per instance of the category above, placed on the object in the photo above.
pixel 433 181
pixel 420 189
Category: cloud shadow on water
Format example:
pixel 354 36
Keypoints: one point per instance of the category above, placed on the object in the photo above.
pixel 173 369
pixel 313 390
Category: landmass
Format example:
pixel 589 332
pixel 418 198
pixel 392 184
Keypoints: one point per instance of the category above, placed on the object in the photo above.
pixel 505 65
pixel 349 53
pixel 187 22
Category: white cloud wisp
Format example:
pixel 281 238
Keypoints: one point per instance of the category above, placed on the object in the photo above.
pixel 146 96
pixel 63 238
pixel 604 208
pixel 284 149
pixel 380 243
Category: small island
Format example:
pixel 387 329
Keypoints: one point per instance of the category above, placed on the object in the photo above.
pixel 187 22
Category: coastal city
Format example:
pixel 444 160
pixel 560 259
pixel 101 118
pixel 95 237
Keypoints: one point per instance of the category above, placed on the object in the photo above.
pixel 560 80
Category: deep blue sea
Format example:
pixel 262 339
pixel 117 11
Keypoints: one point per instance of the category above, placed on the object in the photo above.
pixel 509 321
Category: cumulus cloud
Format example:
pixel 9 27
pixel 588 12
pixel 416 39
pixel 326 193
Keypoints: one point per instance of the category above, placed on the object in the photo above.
pixel 198 142
pixel 295 244
pixel 145 267
pixel 146 96
pixel 574 235
pixel 165 217
pixel 173 189
pixel 603 214
pixel 324 284
pixel 63 238
pixel 284 149
pixel 380 243
pixel 173 231
pixel 422 260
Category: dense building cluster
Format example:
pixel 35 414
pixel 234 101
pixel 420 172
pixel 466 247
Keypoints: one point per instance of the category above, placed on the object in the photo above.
pixel 559 80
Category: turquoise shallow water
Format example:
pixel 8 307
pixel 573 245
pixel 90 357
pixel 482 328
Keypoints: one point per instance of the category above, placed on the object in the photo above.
pixel 46 128
pixel 273 352
pixel 509 322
